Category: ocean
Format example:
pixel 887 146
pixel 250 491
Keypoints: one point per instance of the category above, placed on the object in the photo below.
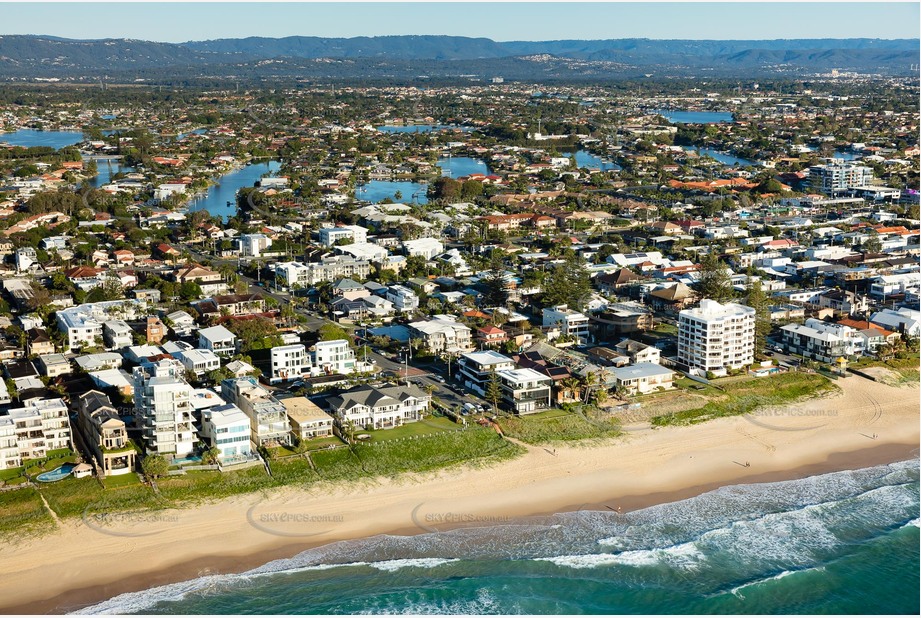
pixel 839 543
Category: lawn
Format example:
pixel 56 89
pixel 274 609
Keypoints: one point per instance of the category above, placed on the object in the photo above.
pixel 744 396
pixel 428 426
pixel 72 497
pixel 559 426
pixel 316 444
pixel 470 445
pixel 198 486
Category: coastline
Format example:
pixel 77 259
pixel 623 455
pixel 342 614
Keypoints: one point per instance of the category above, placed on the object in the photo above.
pixel 63 571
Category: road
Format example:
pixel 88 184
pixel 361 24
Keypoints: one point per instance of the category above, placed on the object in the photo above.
pixel 420 374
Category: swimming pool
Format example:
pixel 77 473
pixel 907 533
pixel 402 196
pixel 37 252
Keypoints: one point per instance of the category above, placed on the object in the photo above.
pixel 57 474
pixel 191 459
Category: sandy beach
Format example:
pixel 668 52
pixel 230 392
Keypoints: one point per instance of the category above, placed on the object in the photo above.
pixel 866 424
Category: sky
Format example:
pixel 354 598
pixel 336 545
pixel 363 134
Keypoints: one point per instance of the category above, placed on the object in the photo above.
pixel 509 21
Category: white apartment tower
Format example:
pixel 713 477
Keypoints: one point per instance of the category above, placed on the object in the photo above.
pixel 715 337
pixel 162 402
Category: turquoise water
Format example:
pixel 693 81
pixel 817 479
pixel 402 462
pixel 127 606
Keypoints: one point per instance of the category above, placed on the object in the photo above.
pixel 679 117
pixel 838 543
pixel 31 137
pixel 57 474
pixel 216 199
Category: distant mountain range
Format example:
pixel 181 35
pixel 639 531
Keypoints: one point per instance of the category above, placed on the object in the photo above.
pixel 407 57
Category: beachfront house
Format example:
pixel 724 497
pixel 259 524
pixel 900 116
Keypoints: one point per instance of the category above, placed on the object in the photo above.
pixel 227 428
pixel 307 420
pixel 105 434
pixel 379 407
pixel 268 418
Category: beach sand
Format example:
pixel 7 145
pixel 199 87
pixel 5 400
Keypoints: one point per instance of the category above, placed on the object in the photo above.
pixel 866 424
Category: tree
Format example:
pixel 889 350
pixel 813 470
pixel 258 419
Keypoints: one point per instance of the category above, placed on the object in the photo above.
pixel 570 387
pixel 154 466
pixel 494 390
pixel 211 456
pixel 567 284
pixel 872 244
pixel 495 288
pixel 256 334
pixel 758 301
pixel 714 282
pixel 332 332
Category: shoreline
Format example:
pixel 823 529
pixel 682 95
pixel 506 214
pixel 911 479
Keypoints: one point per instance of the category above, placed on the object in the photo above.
pixel 646 468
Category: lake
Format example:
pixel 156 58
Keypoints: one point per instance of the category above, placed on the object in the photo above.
pixel 378 190
pixel 684 117
pixel 216 200
pixel 31 137
pixel 586 159
pixel 421 128
pixel 723 157
pixel 455 167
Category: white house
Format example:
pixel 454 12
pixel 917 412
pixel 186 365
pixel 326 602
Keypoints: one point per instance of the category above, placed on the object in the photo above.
pixel 217 339
pixel 642 378
pixel 329 236
pixel 379 408
pixel 476 368
pixel 403 298
pixel 228 428
pixel 425 247
pixel 199 362
pixel 290 362
pixel 253 245
pixel 524 390
pixel 571 323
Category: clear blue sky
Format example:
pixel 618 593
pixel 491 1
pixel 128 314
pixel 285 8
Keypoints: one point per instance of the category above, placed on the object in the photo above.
pixel 531 21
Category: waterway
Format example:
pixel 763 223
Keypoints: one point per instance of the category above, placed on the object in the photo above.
pixel 586 159
pixel 221 199
pixel 686 117
pixel 31 137
pixel 455 167
pixel 108 168
pixel 377 191
pixel 723 157
pixel 421 128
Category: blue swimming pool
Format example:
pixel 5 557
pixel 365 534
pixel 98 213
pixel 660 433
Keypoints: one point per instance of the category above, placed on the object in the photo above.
pixel 57 474
pixel 191 459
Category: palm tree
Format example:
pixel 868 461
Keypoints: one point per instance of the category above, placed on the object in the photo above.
pixel 588 383
pixel 570 387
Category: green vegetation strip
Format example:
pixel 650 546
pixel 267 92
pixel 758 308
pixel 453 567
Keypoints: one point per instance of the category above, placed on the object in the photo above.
pixel 21 510
pixel 22 513
pixel 745 396
pixel 560 426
